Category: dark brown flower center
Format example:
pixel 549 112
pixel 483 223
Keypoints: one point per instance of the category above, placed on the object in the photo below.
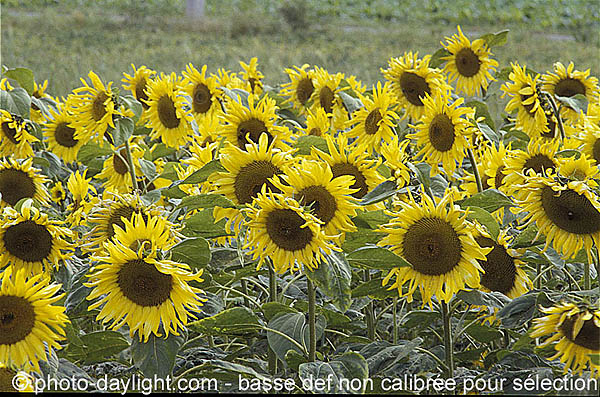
pixel 326 98
pixel 140 93
pixel 114 219
pixel 500 270
pixel 167 113
pixel 120 162
pixel 17 319
pixel 570 211
pixel 499 179
pixel 315 132
pixel 202 98
pixel 371 122
pixel 10 133
pixel 254 128
pixel 251 178
pixel 360 182
pixel 65 135
pixel 569 87
pixel 15 185
pixel 432 246
pixel 441 133
pixel 467 62
pixel 6 379
pixel 143 284
pixel 596 151
pixel 28 241
pixel 304 90
pixel 588 336
pixel 414 87
pixel 98 107
pixel 322 202
pixel 284 227
pixel 538 163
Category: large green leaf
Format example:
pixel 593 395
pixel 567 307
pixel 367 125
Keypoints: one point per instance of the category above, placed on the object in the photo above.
pixel 373 289
pixel 381 192
pixel 490 200
pixel 519 311
pixel 203 173
pixel 123 130
pixel 496 39
pixel 306 142
pixel 486 219
pixel 193 251
pixel 480 298
pixel 23 76
pixel 578 103
pixel 271 309
pixel 483 333
pixel 100 345
pixel 92 151
pixel 376 258
pixel 437 58
pixel 234 321
pixel 295 327
pixel 344 374
pixel 16 101
pixel 481 110
pixel 360 238
pixel 156 357
pixel 205 201
pixel 333 277
pixel 202 224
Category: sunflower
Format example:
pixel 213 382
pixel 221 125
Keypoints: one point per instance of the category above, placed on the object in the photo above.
pixel 30 241
pixel 526 100
pixel 93 108
pixel 375 121
pixel 15 139
pixel 138 82
pixel 140 289
pixel 253 76
pixel 300 88
pixel 567 82
pixel 228 79
pixel 19 181
pixel 326 96
pixel 443 132
pixel 201 155
pixel 396 157
pixel 591 142
pixel 79 187
pixel 437 241
pixel 350 160
pixel 39 91
pixel 31 325
pixel 313 185
pixel 203 91
pixel 468 63
pixel 539 157
pixel 279 228
pixel 57 192
pixel 168 113
pixel 247 124
pixel 60 133
pixel 411 78
pixel 356 85
pixel 491 167
pixel 576 329
pixel 567 212
pixel 115 169
pixel 317 124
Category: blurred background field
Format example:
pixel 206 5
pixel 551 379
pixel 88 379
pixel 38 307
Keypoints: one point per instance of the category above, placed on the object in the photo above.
pixel 62 40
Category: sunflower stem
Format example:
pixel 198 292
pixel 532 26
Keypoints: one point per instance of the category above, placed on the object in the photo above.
pixel 312 351
pixel 272 358
pixel 245 292
pixel 395 316
pixel 369 311
pixel 556 112
pixel 130 165
pixel 475 170
pixel 586 276
pixel 448 346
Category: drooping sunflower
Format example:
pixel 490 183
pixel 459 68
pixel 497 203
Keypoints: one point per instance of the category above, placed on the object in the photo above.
pixel 411 78
pixel 577 331
pixel 468 63
pixel 19 180
pixel 93 108
pixel 15 139
pixel 201 155
pixel 317 124
pixel 443 132
pixel 203 91
pixel 539 157
pixel 591 142
pixel 252 75
pixel 245 124
pixel 567 212
pixel 60 133
pixel 57 192
pixel 375 121
pixel 351 160
pixel 168 113
pixel 300 88
pixel 32 242
pixel 115 169
pixel 138 288
pixel 396 157
pixel 228 79
pixel 491 167
pixel 138 82
pixel 326 96
pixel 526 100
pixel 79 187
pixel 313 185
pixel 567 82
pixel 31 325
pixel 437 241
pixel 279 228
pixel 39 91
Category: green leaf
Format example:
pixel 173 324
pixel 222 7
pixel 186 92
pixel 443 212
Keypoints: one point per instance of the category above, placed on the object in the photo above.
pixel 205 201
pixel 577 102
pixel 333 277
pixel 136 107
pixel 123 130
pixel 496 39
pixel 422 170
pixel 92 151
pixel 204 173
pixel 237 95
pixel 420 318
pixel 381 192
pixel 194 251
pixel 374 290
pixel 16 101
pixel 360 238
pixel 483 333
pixel 383 354
pixel 350 103
pixel 270 309
pixel 173 191
pixel 100 345
pixel 371 219
pixel 335 375
pixel 156 357
pixel 234 321
pixel 595 358
pixel 480 298
pixel 436 59
pixel 489 133
pixel 148 169
pixel 306 142
pixel 481 110
pixel 293 359
pixel 23 76
pixel 526 237
pixel 202 224
pixel 486 219
pixel 489 200
pixel 376 258
pixel 159 150
pixel 295 326
pixel 519 311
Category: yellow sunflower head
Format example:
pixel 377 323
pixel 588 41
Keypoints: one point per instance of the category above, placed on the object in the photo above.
pixel 469 63
pixel 31 325
pixel 317 124
pixel 19 180
pixel 168 114
pixel 203 91
pixel 443 132
pixel 57 192
pixel 115 169
pixel 539 157
pixel 576 329
pixel 411 79
pixel 326 96
pixel 15 139
pixel 138 82
pixel 300 88
pixel 39 91
pixel 437 240
pixel 396 157
pixel 591 142
pixel 279 228
pixel 61 135
pixel 252 75
pixel 375 121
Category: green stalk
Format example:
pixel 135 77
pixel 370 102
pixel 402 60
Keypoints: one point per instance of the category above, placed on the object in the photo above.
pixel 312 351
pixel 448 345
pixel 586 277
pixel 271 357
pixel 130 164
pixel 369 311
pixel 475 170
pixel 395 316
pixel 561 127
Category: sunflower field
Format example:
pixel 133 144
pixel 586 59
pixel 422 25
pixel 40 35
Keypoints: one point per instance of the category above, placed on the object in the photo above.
pixel 435 232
